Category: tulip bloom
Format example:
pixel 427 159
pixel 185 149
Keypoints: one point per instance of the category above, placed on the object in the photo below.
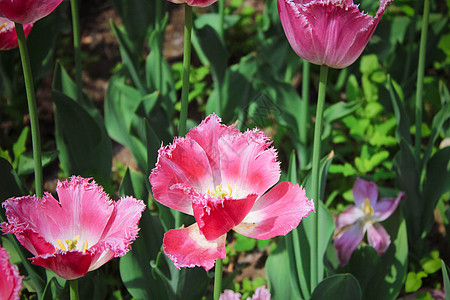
pixel 10 280
pixel 199 3
pixel 221 177
pixel 328 32
pixel 364 217
pixel 8 36
pixel 261 293
pixel 27 11
pixel 79 233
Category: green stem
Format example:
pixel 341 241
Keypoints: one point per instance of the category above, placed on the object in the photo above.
pixel 74 289
pixel 32 108
pixel 420 75
pixel 158 20
pixel 77 48
pixel 185 87
pixel 315 193
pixel 218 279
pixel 303 115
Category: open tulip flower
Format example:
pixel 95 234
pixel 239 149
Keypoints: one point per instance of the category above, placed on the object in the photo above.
pixel 10 280
pixel 8 36
pixel 221 177
pixel 328 32
pixel 200 3
pixel 362 217
pixel 79 233
pixel 27 11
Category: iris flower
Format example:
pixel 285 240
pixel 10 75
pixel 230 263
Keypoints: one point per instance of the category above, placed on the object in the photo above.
pixel 27 11
pixel 364 216
pixel 10 280
pixel 8 36
pixel 79 233
pixel 328 32
pixel 222 176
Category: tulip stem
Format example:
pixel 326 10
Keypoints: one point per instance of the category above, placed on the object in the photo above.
pixel 32 108
pixel 303 128
pixel 315 193
pixel 218 279
pixel 420 75
pixel 74 289
pixel 77 48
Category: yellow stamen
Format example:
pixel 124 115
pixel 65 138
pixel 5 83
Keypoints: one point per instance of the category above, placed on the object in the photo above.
pixel 220 192
pixel 2 26
pixel 230 189
pixel 61 245
pixel 85 246
pixel 367 208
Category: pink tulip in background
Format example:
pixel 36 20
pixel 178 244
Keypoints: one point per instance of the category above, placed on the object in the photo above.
pixel 10 280
pixel 8 36
pixel 362 217
pixel 261 293
pixel 27 11
pixel 222 176
pixel 328 32
pixel 200 3
pixel 79 233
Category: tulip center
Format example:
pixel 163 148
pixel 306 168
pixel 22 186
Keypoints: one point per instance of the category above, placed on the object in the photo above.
pixel 367 209
pixel 3 26
pixel 220 192
pixel 71 244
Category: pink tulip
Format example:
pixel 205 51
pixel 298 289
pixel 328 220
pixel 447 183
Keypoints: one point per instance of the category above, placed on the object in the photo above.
pixel 261 293
pixel 79 233
pixel 328 32
pixel 27 11
pixel 10 280
pixel 221 177
pixel 200 3
pixel 364 217
pixel 8 36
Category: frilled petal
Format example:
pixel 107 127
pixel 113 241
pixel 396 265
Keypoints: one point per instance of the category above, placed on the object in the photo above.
pixel 207 135
pixel 229 295
pixel 8 36
pixel 385 207
pixel 363 190
pixel 261 293
pixel 119 233
pixel 349 216
pixel 216 216
pixel 378 238
pixel 188 248
pixel 181 166
pixel 10 279
pixel 248 164
pixel 348 241
pixel 277 212
pixel 27 11
pixel 199 3
pixel 66 264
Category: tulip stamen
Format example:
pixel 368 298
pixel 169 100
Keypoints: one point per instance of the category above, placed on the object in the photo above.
pixel 85 246
pixel 3 26
pixel 220 192
pixel 61 245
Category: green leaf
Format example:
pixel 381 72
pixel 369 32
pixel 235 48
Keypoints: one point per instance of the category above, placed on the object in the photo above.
pixel 446 280
pixel 400 114
pixel 340 286
pixel 244 243
pixel 26 162
pixel 19 146
pixel 414 281
pixel 10 185
pixel 431 263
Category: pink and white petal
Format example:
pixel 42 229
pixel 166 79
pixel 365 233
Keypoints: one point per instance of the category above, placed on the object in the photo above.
pixel 249 166
pixel 182 163
pixel 277 212
pixel 229 295
pixel 261 293
pixel 188 248
pixel 66 264
pixel 119 233
pixel 386 207
pixel 378 238
pixel 10 279
pixel 207 135
pixel 29 239
pixel 349 216
pixel 216 216
pixel 363 190
pixel 348 241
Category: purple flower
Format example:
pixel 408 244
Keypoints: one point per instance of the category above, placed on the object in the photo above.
pixel 362 217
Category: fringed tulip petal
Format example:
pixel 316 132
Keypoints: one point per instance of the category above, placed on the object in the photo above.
pixel 10 279
pixel 348 241
pixel 27 11
pixel 182 164
pixel 277 212
pixel 229 295
pixel 216 216
pixel 378 238
pixel 386 207
pixel 188 248
pixel 363 190
pixel 66 264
